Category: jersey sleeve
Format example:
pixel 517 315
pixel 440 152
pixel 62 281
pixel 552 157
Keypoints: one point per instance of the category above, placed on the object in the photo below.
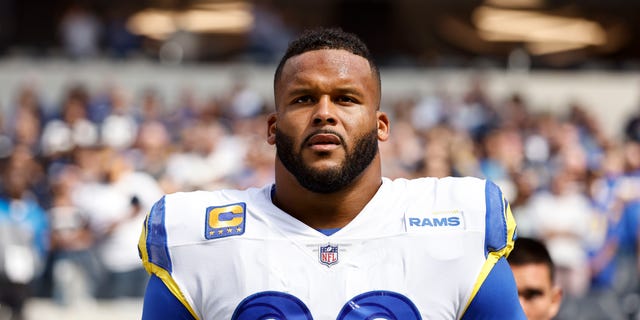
pixel 495 281
pixel 160 303
pixel 495 298
pixel 156 258
pixel 500 226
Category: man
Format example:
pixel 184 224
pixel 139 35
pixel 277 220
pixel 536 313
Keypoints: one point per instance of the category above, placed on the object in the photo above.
pixel 332 238
pixel 533 270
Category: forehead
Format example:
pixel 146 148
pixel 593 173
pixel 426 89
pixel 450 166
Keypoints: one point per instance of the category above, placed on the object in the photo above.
pixel 532 275
pixel 335 64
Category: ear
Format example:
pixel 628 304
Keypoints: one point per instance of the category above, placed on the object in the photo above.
pixel 383 126
pixel 271 129
pixel 556 301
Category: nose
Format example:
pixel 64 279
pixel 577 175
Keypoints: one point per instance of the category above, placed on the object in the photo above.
pixel 324 112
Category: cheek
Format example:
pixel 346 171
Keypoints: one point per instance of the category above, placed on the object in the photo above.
pixel 536 308
pixel 289 126
pixel 294 120
pixel 359 121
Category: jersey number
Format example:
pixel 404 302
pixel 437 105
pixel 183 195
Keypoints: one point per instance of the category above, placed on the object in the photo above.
pixel 378 305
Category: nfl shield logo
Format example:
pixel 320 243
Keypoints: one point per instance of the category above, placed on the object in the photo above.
pixel 329 255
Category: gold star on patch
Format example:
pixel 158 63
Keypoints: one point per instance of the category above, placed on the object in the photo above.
pixel 239 229
pixel 229 230
pixel 220 231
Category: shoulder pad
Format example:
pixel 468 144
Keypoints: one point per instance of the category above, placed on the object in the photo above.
pixel 500 226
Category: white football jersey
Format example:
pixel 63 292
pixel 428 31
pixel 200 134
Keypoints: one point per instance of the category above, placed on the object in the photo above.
pixel 420 249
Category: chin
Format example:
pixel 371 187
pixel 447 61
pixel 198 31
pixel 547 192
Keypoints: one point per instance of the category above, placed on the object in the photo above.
pixel 314 158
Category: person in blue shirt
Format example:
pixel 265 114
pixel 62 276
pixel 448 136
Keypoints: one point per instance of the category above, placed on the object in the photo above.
pixel 24 235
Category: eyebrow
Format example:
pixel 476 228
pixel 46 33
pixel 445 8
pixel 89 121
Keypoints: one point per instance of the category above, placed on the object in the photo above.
pixel 342 90
pixel 298 91
pixel 350 90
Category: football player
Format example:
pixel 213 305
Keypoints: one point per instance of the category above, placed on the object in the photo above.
pixel 331 238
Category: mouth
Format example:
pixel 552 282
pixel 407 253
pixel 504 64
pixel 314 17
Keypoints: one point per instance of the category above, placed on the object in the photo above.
pixel 323 141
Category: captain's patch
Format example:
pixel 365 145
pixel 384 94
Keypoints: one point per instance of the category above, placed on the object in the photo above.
pixel 225 221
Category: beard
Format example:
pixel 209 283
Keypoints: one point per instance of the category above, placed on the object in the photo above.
pixel 332 179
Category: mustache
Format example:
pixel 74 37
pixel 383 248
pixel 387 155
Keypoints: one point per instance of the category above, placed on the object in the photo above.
pixel 323 131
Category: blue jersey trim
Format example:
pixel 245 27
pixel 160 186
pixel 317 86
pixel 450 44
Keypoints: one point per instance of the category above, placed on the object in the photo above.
pixel 495 220
pixel 271 305
pixel 160 303
pixel 157 237
pixel 328 232
pixel 379 304
pixel 497 297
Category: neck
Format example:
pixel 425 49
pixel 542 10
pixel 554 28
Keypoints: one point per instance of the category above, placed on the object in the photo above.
pixel 324 211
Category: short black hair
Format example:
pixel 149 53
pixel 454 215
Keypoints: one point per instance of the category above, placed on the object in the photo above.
pixel 531 251
pixel 327 38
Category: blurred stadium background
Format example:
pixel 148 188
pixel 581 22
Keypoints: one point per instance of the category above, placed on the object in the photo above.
pixel 107 104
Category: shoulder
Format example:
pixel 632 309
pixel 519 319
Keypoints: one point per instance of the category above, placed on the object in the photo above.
pixel 499 285
pixel 456 188
pixel 454 185
pixel 189 218
pixel 477 205
pixel 450 193
pixel 187 214
pixel 194 202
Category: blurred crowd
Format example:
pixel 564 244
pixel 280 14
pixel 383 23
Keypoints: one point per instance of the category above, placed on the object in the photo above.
pixel 89 30
pixel 77 179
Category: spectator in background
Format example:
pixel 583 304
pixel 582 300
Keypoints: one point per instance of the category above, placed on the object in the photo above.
pixel 24 232
pixel 119 128
pixel 476 112
pixel 561 217
pixel 26 118
pixel 243 102
pixel 120 42
pixel 628 272
pixel 632 150
pixel 258 164
pixel 591 137
pixel 269 35
pixel 502 156
pixel 80 32
pixel 72 128
pixel 428 112
pixel 610 199
pixel 403 151
pixel 437 158
pixel 75 268
pixel 138 191
pixel 116 198
pixel 151 151
pixel 632 129
pixel 185 112
pixel 534 272
pixel 627 282
pixel 152 108
pixel 208 157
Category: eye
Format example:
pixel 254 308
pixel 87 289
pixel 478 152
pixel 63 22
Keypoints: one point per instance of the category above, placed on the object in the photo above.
pixel 303 100
pixel 530 294
pixel 346 100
